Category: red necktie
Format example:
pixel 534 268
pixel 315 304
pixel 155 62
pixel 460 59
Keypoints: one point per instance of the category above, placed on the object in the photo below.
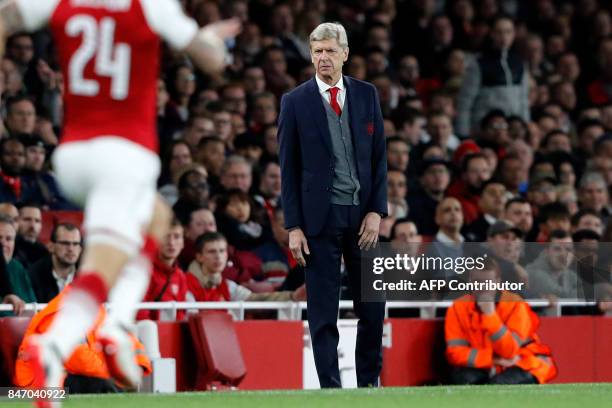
pixel 334 100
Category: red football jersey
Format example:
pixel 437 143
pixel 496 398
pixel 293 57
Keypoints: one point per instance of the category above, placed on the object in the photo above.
pixel 109 55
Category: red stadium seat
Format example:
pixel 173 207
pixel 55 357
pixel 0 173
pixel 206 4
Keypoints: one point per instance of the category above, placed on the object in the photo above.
pixel 12 329
pixel 51 218
pixel 220 361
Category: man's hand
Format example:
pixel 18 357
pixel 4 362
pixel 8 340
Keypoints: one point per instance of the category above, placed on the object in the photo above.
pixel 368 233
pixel 486 306
pixel 297 242
pixel 17 302
pixel 506 362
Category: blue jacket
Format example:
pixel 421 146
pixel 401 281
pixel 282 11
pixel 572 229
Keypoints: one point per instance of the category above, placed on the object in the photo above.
pixel 306 155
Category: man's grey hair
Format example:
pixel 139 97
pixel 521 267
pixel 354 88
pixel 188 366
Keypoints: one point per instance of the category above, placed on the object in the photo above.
pixel 330 31
pixel 235 159
pixel 592 177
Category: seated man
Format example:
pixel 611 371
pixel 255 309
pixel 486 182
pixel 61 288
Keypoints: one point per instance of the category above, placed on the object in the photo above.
pixel 51 274
pixel 28 249
pixel 206 282
pixel 87 371
pixel 168 281
pixel 18 277
pixel 491 337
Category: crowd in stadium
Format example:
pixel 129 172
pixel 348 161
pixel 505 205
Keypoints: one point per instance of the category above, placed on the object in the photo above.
pixel 497 113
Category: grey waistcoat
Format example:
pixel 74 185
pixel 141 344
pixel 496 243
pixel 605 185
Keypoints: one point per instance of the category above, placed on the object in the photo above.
pixel 345 184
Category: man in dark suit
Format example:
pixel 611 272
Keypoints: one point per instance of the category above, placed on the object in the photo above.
pixel 333 174
pixel 51 274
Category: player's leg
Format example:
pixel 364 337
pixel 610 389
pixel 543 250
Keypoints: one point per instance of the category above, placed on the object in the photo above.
pixel 124 298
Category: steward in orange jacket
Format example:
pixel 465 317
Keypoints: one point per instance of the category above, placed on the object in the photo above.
pixel 491 337
pixel 86 365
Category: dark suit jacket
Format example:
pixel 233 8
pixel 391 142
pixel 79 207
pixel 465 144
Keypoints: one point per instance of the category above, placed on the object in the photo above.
pixel 43 282
pixel 306 156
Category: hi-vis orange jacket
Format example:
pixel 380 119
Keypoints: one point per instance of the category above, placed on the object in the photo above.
pixel 474 339
pixel 87 359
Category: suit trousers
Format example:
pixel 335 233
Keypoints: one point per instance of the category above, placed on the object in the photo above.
pixel 323 281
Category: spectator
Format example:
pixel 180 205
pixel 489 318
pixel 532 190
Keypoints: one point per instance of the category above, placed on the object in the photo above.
pixel 11 212
pixel 491 341
pixel 178 158
pixel 491 204
pixel 593 194
pixel 193 192
pixel 518 212
pixel 475 171
pixel 398 154
pixel 20 115
pixel 587 219
pixel 494 131
pixel 448 242
pixel 405 237
pixel 237 173
pixel 12 160
pixel 553 216
pixel 434 180
pixel 269 187
pixel 168 281
pixel 18 277
pixel 505 241
pixel 206 282
pixel 234 220
pixel 42 183
pixel 550 275
pixel 197 128
pixel 264 113
pixel 52 273
pixel 497 79
pixel 440 132
pixel 211 154
pixel 28 249
pixel 396 194
pixel 513 173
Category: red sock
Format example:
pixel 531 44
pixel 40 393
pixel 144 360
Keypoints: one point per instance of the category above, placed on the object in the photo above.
pixel 150 249
pixel 93 285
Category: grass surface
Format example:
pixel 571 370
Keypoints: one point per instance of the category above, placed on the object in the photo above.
pixel 553 396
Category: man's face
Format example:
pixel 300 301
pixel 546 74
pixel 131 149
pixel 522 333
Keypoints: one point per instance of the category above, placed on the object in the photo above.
pixel 199 129
pixel 22 49
pixel 30 223
pixel 493 199
pixel 275 63
pixel 172 245
pixel 503 34
pixel 237 176
pixel 234 99
pixel 254 80
pixel 594 195
pixel 587 138
pixel 201 221
pixel 406 232
pixel 398 156
pixel 196 190
pixel 180 158
pixel 590 222
pixel 436 179
pixel 559 253
pixel 514 173
pixel 478 171
pixel 328 57
pixel 520 214
pixel 271 181
pixel 35 158
pixel 264 111
pixel 223 125
pixel 440 129
pixel 505 245
pixel 13 158
pixel 11 212
pixel 213 257
pixel 212 156
pixel 67 247
pixel 396 185
pixel 497 131
pixel 449 215
pixel 559 143
pixel 7 240
pixel 587 252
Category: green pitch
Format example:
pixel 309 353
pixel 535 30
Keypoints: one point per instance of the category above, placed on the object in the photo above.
pixel 547 396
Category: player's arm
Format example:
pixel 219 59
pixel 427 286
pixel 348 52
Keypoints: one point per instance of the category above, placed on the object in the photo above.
pixel 207 49
pixel 11 21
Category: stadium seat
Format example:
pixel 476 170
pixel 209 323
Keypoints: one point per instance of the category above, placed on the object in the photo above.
pixel 51 218
pixel 219 358
pixel 12 329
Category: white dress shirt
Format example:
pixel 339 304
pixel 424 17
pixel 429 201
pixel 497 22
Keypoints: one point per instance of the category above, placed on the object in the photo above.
pixel 326 95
